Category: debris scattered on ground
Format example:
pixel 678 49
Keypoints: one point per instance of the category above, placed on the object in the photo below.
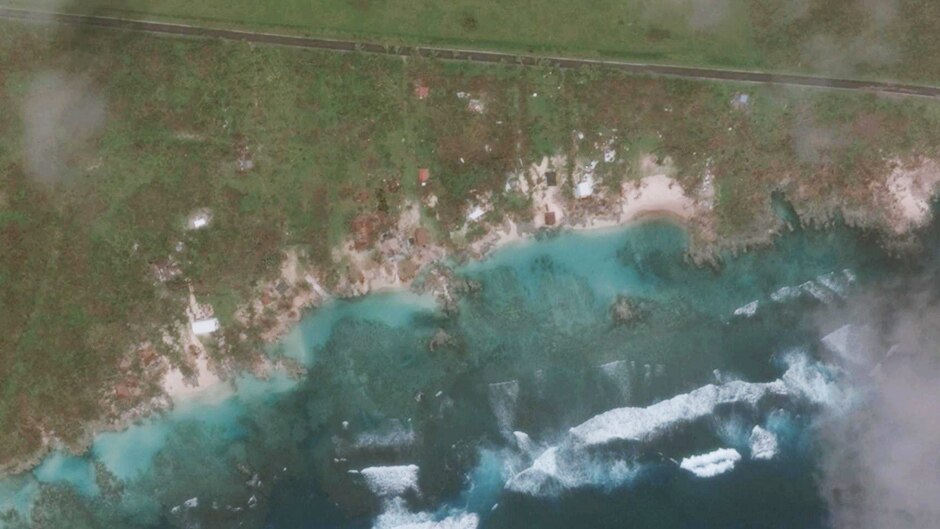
pixel 199 219
pixel 422 90
pixel 741 101
pixel 585 187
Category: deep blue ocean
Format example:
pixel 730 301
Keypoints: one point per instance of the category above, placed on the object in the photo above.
pixel 543 409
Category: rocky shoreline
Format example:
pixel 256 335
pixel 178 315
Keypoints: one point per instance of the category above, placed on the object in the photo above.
pixel 407 257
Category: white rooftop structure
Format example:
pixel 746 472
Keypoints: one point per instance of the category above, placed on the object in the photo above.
pixel 475 214
pixel 207 326
pixel 585 188
pixel 199 219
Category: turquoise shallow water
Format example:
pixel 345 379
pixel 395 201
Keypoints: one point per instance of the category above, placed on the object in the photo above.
pixel 486 419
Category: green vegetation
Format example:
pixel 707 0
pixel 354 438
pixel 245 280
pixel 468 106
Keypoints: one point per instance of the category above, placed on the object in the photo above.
pixel 856 38
pixel 330 138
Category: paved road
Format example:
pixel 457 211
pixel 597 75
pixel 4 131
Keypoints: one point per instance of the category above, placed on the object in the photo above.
pixel 471 55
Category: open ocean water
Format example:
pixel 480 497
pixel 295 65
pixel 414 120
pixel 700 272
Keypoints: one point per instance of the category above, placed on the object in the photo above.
pixel 542 410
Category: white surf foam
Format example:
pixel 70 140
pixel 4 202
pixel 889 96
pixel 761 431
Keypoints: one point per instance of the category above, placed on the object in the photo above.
pixel 837 282
pixel 712 463
pixel 810 381
pixel 642 424
pixel 540 479
pixel 747 310
pixel 395 436
pixel 818 291
pixel 396 515
pixel 763 443
pixel 785 294
pixel 503 398
pixel 618 372
pixel 824 288
pixel 524 442
pixel 572 464
pixel 391 480
pixel 561 468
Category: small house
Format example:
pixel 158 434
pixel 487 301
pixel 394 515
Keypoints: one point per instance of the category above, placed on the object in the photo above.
pixel 421 237
pixel 550 218
pixel 475 214
pixel 551 178
pixel 207 326
pixel 423 175
pixel 585 188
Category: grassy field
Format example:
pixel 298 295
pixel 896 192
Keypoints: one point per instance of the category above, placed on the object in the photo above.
pixel 856 38
pixel 109 140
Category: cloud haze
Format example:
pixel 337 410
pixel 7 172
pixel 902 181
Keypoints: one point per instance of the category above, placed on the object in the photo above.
pixel 881 462
pixel 61 113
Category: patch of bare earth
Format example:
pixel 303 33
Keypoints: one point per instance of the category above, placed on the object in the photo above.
pixel 908 192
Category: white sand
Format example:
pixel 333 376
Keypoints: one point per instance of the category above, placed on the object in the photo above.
pixel 658 193
pixel 208 386
pixel 205 384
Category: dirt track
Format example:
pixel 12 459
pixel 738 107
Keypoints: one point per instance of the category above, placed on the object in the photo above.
pixel 471 55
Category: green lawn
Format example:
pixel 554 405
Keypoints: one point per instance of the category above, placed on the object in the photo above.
pixel 327 134
pixel 878 39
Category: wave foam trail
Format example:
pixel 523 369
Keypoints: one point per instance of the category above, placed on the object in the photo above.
pixel 748 309
pixel 561 468
pixel 642 424
pixel 812 382
pixel 763 443
pixel 503 399
pixel 391 480
pixel 824 288
pixel 576 461
pixel 801 379
pixel 712 463
pixel 397 516
pixel 618 372
pixel 524 442
pixel 394 436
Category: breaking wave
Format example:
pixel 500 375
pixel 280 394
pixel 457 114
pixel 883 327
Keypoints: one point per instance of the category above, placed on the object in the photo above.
pixel 396 515
pixel 763 443
pixel 712 463
pixel 391 480
pixel 589 455
pixel 503 399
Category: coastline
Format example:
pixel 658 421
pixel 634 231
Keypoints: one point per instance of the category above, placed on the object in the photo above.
pixel 659 201
pixel 654 196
